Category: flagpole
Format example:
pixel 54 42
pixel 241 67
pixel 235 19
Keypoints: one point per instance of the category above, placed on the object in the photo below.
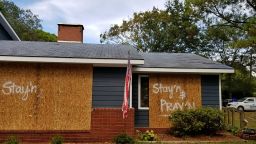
pixel 130 86
pixel 127 92
pixel 128 66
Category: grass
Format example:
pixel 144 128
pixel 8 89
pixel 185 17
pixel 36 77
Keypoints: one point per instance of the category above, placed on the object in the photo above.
pixel 247 142
pixel 238 142
pixel 251 117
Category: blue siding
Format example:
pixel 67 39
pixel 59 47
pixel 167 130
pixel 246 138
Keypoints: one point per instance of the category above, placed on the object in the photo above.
pixel 108 89
pixel 3 34
pixel 108 86
pixel 210 90
pixel 141 116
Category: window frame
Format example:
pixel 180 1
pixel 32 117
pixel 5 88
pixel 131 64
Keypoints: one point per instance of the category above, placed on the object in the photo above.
pixel 139 93
pixel 247 100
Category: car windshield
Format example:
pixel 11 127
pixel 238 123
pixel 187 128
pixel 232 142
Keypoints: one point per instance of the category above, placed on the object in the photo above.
pixel 241 100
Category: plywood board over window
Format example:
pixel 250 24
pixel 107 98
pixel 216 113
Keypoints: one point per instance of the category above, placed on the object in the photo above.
pixel 45 96
pixel 168 92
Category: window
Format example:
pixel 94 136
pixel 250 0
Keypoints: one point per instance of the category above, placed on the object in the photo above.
pixel 143 92
pixel 249 100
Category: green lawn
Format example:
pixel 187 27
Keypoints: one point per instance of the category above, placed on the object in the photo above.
pixel 171 142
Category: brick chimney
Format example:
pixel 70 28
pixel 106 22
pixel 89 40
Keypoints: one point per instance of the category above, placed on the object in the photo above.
pixel 70 33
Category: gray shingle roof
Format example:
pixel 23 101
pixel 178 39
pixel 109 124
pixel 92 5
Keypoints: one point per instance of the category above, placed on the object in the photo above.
pixel 106 51
pixel 179 60
pixel 67 50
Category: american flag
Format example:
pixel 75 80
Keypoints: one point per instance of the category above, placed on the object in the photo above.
pixel 128 78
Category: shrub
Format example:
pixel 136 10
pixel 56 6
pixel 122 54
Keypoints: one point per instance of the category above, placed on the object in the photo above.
pixel 124 139
pixel 57 139
pixel 196 121
pixel 147 136
pixel 12 140
pixel 234 130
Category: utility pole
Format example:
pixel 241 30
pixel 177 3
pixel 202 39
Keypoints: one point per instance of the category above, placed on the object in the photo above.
pixel 252 62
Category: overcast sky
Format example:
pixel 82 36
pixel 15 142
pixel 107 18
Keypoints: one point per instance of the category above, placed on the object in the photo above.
pixel 96 15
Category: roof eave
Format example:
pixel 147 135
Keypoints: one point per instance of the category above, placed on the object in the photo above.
pixel 182 70
pixel 8 28
pixel 70 60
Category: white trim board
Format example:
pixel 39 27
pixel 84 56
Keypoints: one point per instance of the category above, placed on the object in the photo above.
pixel 175 70
pixel 139 93
pixel 62 41
pixel 68 60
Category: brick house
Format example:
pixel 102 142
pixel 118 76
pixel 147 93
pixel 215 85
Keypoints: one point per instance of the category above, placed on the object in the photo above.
pixel 76 90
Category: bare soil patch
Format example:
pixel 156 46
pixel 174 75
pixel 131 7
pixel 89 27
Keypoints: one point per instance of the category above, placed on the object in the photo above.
pixel 220 137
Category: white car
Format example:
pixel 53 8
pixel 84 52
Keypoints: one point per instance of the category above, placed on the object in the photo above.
pixel 247 103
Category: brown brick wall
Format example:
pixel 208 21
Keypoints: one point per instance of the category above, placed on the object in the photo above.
pixel 70 33
pixel 106 124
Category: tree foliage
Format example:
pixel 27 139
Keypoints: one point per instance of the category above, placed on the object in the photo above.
pixel 169 30
pixel 26 24
pixel 237 14
pixel 232 24
pixel 222 30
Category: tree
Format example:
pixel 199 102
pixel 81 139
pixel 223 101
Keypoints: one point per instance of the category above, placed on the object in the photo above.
pixel 216 29
pixel 25 23
pixel 170 30
pixel 239 14
pixel 236 22
pixel 238 84
pixel 41 35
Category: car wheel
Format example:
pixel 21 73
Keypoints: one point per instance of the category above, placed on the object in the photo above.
pixel 240 108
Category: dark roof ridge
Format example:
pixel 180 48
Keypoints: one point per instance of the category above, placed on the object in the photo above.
pixel 72 43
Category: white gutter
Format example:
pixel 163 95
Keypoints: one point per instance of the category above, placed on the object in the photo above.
pixel 61 41
pixel 180 70
pixel 68 60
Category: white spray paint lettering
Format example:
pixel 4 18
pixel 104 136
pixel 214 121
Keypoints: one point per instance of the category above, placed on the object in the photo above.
pixel 160 88
pixel 166 106
pixel 10 87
